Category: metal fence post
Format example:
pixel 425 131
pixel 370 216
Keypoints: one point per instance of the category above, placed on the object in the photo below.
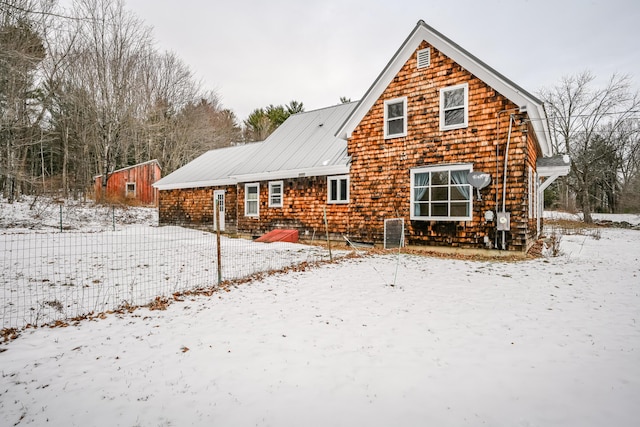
pixel 216 213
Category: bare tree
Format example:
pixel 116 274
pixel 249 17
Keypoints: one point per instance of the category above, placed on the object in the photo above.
pixel 110 46
pixel 586 123
pixel 84 92
pixel 629 171
pixel 180 122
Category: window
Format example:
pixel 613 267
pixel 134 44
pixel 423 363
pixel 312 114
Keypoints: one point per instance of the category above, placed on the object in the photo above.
pixel 130 190
pixel 454 103
pixel 424 58
pixel 395 118
pixel 251 199
pixel 275 194
pixel 441 193
pixel 338 189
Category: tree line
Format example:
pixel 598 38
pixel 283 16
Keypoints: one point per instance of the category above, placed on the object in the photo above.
pixel 599 128
pixel 84 92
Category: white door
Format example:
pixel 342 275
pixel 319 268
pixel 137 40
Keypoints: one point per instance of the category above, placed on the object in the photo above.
pixel 218 199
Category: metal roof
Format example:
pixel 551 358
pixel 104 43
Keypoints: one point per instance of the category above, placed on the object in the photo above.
pixel 212 168
pixel 304 145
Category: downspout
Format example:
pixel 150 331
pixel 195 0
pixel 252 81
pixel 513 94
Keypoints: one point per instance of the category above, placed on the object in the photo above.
pixel 504 178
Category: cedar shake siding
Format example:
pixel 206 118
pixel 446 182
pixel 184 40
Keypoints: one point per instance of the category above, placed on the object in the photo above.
pixel 380 168
pixel 194 206
pixel 303 203
pixel 434 114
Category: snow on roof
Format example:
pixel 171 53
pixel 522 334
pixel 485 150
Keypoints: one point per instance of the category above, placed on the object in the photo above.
pixel 304 145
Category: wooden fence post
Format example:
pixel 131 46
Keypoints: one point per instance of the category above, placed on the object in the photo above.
pixel 326 227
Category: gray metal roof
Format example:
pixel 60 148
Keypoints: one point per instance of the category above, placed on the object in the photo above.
pixel 304 145
pixel 212 168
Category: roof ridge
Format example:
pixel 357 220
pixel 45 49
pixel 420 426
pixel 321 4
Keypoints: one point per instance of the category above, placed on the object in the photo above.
pixel 325 108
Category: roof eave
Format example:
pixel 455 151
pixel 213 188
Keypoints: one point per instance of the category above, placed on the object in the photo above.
pixel 293 173
pixel 195 184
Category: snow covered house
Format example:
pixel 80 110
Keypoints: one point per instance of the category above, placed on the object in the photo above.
pixel 440 140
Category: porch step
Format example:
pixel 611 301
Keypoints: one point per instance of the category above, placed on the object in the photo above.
pixel 290 236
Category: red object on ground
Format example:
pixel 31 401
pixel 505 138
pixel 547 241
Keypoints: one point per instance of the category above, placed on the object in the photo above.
pixel 290 236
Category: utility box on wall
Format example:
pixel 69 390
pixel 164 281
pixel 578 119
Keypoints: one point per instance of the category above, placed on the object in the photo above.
pixel 503 221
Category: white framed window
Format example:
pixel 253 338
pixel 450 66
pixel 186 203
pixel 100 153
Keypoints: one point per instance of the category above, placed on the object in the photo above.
pixel 395 118
pixel 441 193
pixel 275 194
pixel 130 189
pixel 338 189
pixel 424 58
pixel 454 107
pixel 252 199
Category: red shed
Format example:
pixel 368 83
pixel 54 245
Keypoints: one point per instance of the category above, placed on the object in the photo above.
pixel 133 182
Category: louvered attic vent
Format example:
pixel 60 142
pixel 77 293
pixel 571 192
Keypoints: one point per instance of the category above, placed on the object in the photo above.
pixel 424 58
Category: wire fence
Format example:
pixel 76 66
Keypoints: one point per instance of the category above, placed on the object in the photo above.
pixel 62 264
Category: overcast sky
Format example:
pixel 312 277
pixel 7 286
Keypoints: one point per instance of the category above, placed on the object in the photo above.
pixel 253 53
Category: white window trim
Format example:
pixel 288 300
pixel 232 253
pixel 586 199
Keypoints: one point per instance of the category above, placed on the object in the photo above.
pixel 465 124
pixel 539 201
pixel 271 185
pixel 246 199
pixel 337 178
pixel 128 193
pixel 530 195
pixel 404 117
pixel 450 167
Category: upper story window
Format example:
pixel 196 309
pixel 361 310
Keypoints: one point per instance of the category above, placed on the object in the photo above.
pixel 441 193
pixel 252 199
pixel 395 118
pixel 338 189
pixel 275 194
pixel 454 107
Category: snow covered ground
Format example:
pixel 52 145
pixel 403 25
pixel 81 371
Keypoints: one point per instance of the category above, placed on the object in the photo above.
pixel 57 264
pixel 376 341
pixel 632 219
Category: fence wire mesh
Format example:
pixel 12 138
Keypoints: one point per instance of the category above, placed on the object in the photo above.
pixel 59 262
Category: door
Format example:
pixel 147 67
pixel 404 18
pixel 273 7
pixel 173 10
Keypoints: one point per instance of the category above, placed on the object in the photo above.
pixel 218 199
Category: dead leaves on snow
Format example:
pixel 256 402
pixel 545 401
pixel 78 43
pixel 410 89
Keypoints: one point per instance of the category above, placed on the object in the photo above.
pixel 160 303
pixel 9 334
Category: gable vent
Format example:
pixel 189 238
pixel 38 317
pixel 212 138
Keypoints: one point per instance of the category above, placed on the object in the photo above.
pixel 424 58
